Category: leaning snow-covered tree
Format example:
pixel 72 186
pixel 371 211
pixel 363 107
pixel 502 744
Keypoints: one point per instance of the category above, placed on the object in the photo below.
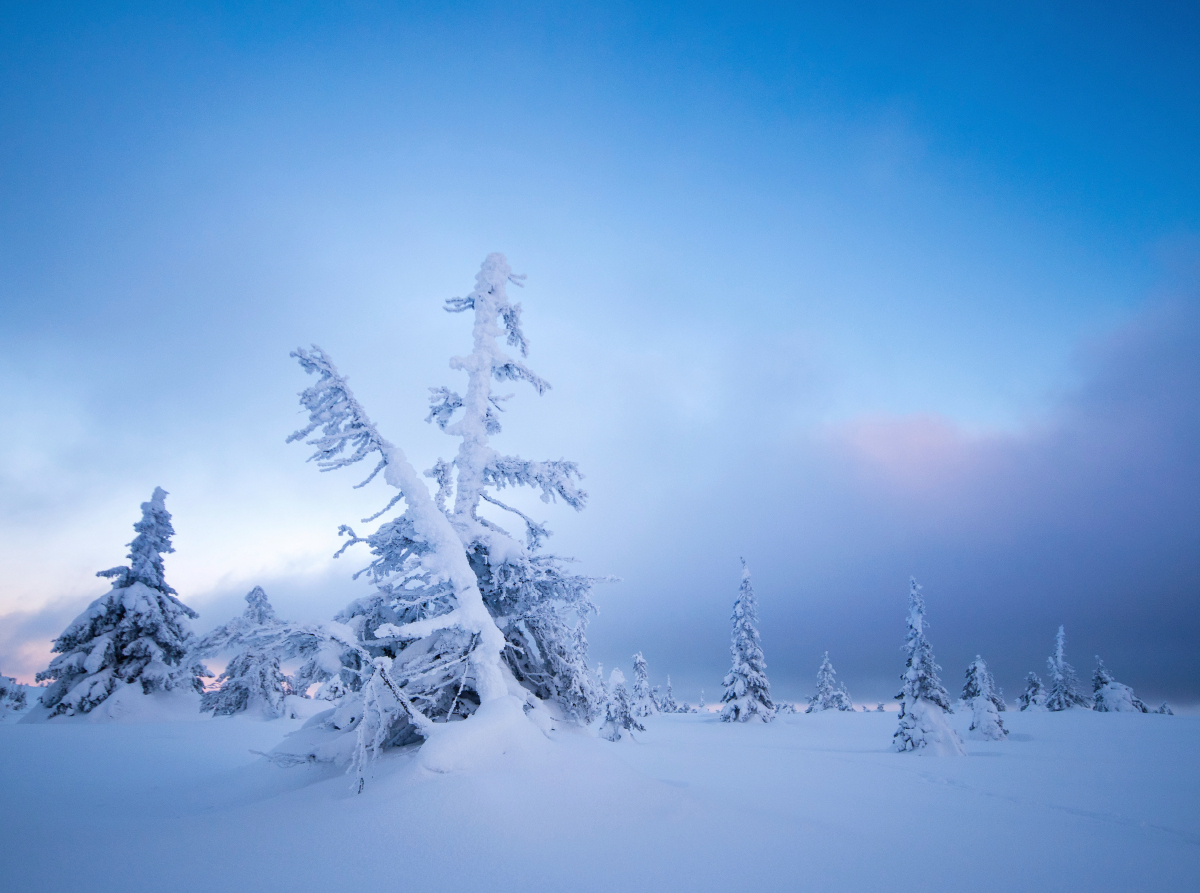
pixel 747 691
pixel 643 703
pixel 981 696
pixel 1110 696
pixel 924 701
pixel 1064 690
pixel 1034 696
pixel 830 695
pixel 137 633
pixel 462 611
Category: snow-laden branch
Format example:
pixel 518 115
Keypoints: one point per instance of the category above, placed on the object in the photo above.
pixel 554 479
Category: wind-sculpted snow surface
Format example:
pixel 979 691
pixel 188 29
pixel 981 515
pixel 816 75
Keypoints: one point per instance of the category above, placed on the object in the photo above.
pixel 1077 800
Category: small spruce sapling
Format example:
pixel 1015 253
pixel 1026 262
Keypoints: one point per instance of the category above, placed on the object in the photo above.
pixel 252 682
pixel 618 716
pixel 137 633
pixel 1034 696
pixel 924 701
pixel 747 690
pixel 980 695
pixel 12 696
pixel 1064 691
pixel 830 695
pixel 643 700
pixel 1110 696
pixel 1165 709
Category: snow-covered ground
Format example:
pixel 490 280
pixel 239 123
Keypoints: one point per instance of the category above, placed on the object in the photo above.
pixel 1072 801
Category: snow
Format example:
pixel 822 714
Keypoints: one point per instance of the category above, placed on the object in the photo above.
pixel 1075 800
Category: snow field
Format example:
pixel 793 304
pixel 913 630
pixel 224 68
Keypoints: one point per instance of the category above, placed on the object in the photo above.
pixel 1072 801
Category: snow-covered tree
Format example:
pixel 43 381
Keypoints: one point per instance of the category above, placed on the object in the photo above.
pixel 1165 709
pixel 12 696
pixel 642 703
pixel 668 704
pixel 1110 696
pixel 618 716
pixel 923 699
pixel 252 682
pixel 782 707
pixel 463 611
pixel 138 632
pixel 830 695
pixel 747 691
pixel 1034 696
pixel 260 640
pixel 980 679
pixel 879 708
pixel 981 696
pixel 1064 690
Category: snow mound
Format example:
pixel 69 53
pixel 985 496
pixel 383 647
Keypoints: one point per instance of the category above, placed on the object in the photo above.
pixel 499 728
pixel 933 732
pixel 129 704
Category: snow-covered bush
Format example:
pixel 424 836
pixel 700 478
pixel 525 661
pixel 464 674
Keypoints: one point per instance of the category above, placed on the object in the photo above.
pixel 879 708
pixel 1110 696
pixel 985 702
pixel 1064 690
pixel 464 612
pixel 643 703
pixel 138 632
pixel 924 701
pixel 747 691
pixel 12 696
pixel 1034 696
pixel 1165 709
pixel 618 715
pixel 830 695
pixel 783 707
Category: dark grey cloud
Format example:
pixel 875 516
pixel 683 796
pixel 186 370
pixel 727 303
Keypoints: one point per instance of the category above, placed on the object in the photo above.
pixel 1089 517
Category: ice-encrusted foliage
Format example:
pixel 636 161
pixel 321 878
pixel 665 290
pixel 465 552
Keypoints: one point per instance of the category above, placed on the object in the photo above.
pixel 1165 709
pixel 138 632
pixel 1110 696
pixel 1064 690
pixel 981 696
pixel 747 691
pixel 1034 695
pixel 830 695
pixel 327 651
pixel 462 611
pixel 643 703
pixel 252 682
pixel 618 710
pixel 12 696
pixel 923 699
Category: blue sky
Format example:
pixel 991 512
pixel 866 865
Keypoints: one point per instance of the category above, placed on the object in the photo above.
pixel 821 288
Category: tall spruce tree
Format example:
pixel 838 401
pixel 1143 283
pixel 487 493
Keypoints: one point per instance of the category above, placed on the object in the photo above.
pixel 747 691
pixel 669 704
pixel 137 633
pixel 923 699
pixel 1064 690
